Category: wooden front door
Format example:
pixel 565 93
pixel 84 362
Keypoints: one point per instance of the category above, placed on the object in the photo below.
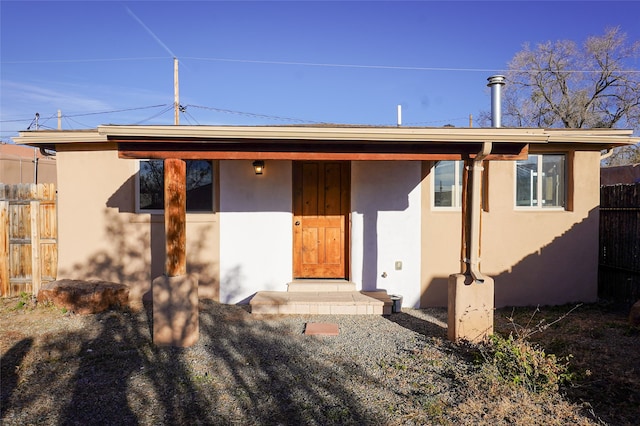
pixel 321 219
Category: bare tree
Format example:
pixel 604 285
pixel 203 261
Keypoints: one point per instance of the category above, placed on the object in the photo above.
pixel 559 84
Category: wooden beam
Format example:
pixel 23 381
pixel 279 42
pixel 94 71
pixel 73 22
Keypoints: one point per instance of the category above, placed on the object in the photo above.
pixel 328 151
pixel 255 155
pixel 175 214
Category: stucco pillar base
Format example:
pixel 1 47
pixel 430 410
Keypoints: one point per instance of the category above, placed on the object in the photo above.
pixel 175 310
pixel 470 308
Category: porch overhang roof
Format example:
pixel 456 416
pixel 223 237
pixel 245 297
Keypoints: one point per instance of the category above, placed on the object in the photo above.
pixel 324 141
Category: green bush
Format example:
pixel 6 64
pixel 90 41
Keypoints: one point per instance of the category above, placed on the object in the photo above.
pixel 523 364
pixel 23 302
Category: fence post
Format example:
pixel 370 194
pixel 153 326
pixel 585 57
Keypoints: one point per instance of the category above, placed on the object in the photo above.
pixel 36 276
pixel 4 248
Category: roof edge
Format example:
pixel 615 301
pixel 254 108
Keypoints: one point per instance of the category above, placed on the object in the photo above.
pixel 364 133
pixel 101 134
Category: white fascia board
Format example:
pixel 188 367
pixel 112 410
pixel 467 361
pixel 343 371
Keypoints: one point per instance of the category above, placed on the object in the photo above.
pixel 338 133
pixel 48 137
pixel 371 134
pixel 593 136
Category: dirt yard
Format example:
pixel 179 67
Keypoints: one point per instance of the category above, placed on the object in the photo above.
pixel 61 368
pixel 604 353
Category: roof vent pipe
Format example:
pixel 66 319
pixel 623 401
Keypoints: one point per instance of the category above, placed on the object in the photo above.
pixel 496 82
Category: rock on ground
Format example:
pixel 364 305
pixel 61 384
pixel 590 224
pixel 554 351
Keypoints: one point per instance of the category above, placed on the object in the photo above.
pixel 84 297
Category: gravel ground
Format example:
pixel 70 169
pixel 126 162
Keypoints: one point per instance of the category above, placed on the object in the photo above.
pixel 400 369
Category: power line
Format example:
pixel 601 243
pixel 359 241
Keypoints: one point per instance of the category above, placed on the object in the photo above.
pixel 391 67
pixel 168 107
pixel 164 111
pixel 70 118
pixel 325 64
pixel 187 115
pixel 117 110
pixel 311 64
pixel 61 61
pixel 88 113
pixel 254 115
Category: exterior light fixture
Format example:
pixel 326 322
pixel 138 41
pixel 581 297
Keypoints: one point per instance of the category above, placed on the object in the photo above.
pixel 258 167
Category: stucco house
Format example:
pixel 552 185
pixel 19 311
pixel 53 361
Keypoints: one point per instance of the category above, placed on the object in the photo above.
pixel 22 164
pixel 376 206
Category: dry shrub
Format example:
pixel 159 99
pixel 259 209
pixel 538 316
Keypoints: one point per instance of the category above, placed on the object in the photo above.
pixel 488 400
pixel 521 363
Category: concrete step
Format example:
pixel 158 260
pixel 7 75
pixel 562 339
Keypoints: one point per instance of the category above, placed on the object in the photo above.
pixel 321 303
pixel 319 285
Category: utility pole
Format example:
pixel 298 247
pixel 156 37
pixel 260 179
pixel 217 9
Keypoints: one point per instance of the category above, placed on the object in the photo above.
pixel 176 92
pixel 35 152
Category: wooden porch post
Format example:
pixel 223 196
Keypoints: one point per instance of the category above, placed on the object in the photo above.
pixel 175 295
pixel 175 216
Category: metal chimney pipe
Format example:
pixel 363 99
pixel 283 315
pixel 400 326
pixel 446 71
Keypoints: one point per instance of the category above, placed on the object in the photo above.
pixel 496 82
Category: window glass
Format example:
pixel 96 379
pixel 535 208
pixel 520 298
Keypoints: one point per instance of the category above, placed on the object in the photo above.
pixel 553 181
pixel 199 185
pixel 151 185
pixel 527 181
pixel 447 184
pixel 540 181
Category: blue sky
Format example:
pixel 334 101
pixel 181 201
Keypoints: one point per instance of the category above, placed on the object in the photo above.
pixel 273 62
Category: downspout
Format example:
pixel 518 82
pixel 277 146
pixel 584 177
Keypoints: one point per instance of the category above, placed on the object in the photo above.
pixel 476 210
pixel 35 166
pixel 47 153
pixel 606 154
pixel 473 261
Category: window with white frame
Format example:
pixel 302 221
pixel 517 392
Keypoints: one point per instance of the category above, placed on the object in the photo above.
pixel 541 181
pixel 447 184
pixel 150 188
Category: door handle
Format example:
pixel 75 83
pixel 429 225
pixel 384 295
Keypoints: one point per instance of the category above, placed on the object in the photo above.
pixel 297 223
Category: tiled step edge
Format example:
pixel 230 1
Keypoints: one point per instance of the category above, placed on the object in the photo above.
pixel 321 286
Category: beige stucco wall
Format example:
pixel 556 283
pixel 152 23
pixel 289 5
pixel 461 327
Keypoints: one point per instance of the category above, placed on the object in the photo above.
pixel 535 257
pixel 101 236
pixel 17 165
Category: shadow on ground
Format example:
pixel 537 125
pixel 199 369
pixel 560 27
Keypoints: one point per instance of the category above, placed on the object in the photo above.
pixel 429 323
pixel 242 371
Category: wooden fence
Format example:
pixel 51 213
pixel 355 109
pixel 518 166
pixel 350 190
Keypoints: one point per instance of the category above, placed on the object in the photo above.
pixel 28 237
pixel 619 269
